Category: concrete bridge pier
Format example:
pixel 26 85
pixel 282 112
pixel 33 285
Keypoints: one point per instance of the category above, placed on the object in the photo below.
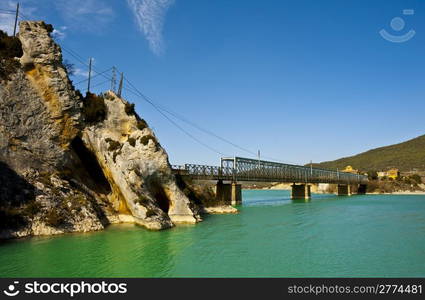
pixel 343 190
pixel 236 197
pixel 229 193
pixel 300 191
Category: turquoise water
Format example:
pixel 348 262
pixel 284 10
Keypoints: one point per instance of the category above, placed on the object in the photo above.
pixel 357 236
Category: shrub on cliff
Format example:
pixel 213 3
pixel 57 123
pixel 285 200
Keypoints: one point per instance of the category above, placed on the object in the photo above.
pixel 145 139
pixel 141 124
pixel 129 108
pixel 94 108
pixel 113 145
pixel 69 67
pixel 10 47
pixel 132 142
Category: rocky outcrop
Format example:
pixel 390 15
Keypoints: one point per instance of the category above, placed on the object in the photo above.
pixel 43 204
pixel 72 163
pixel 137 168
pixel 222 209
pixel 40 110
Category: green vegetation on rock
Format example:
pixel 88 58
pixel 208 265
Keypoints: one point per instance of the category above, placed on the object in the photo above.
pixel 141 124
pixel 94 108
pixel 10 47
pixel 132 142
pixel 129 109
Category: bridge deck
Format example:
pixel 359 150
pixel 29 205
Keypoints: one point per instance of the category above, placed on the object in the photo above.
pixel 245 169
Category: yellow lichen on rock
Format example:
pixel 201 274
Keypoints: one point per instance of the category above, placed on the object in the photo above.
pixel 41 78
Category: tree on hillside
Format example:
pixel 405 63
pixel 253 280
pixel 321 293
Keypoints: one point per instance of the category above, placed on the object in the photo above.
pixel 372 175
pixel 416 178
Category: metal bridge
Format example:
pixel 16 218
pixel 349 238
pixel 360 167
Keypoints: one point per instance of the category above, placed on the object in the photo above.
pixel 244 169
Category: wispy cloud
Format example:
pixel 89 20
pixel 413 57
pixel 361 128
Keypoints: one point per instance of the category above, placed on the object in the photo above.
pixel 81 72
pixel 150 15
pixel 7 15
pixel 60 33
pixel 90 15
pixel 85 72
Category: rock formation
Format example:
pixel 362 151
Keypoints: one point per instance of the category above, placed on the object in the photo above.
pixel 137 168
pixel 72 163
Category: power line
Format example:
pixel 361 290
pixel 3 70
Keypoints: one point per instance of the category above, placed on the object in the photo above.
pixel 138 93
pixel 24 16
pixel 177 125
pixel 159 108
pixel 99 74
pixel 181 118
pixel 206 131
pixel 81 60
pixel 106 81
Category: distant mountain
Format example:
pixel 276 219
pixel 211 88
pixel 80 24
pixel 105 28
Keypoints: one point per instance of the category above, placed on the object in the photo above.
pixel 404 156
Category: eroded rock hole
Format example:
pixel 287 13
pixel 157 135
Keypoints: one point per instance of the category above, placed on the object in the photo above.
pixel 91 165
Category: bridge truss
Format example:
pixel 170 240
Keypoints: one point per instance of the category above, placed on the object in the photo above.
pixel 246 169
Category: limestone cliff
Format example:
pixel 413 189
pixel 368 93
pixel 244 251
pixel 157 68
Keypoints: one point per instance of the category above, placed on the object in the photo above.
pixel 40 111
pixel 72 163
pixel 137 168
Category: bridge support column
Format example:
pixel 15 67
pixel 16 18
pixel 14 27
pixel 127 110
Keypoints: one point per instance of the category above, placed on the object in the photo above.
pixel 300 191
pixel 343 190
pixel 236 197
pixel 228 193
pixel 362 189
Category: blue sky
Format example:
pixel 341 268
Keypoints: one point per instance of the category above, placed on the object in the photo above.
pixel 300 80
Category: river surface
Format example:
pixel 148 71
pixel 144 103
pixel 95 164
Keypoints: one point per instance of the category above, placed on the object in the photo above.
pixel 330 236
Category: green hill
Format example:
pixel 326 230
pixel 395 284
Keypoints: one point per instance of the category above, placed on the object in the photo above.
pixel 404 156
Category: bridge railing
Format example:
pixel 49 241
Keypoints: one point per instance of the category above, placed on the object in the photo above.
pixel 244 169
pixel 258 170
pixel 204 171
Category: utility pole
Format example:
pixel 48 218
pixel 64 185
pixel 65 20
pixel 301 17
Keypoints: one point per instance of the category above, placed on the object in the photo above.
pixel 16 19
pixel 88 84
pixel 311 167
pixel 120 86
pixel 114 79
